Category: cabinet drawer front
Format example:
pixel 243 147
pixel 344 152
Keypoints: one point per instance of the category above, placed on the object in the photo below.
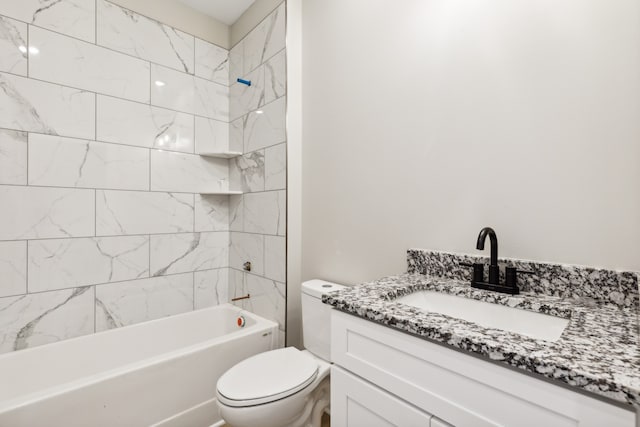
pixel 458 388
pixel 357 403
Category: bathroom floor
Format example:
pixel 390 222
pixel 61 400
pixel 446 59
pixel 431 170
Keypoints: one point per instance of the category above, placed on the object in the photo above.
pixel 326 421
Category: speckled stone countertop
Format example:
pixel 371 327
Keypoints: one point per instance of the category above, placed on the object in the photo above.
pixel 597 352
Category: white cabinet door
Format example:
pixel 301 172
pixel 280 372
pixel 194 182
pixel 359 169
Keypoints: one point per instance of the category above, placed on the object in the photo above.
pixel 357 403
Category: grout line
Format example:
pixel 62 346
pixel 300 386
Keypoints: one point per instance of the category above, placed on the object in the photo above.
pixel 96 44
pixel 136 191
pixel 113 236
pixel 35 79
pixel 100 141
pixel 258 24
pixel 167 25
pixel 27 265
pixel 105 284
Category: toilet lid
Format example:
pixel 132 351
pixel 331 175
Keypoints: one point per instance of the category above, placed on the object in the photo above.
pixel 267 377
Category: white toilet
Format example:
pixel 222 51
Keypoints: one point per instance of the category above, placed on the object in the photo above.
pixel 284 387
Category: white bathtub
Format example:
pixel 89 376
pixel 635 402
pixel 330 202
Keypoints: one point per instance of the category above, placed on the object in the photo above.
pixel 160 373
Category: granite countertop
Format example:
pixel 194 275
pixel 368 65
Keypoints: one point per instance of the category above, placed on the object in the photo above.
pixel 597 352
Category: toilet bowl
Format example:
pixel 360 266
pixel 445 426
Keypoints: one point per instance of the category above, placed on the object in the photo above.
pixel 284 387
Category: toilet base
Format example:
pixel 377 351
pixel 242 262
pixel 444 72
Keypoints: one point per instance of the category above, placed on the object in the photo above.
pixel 303 409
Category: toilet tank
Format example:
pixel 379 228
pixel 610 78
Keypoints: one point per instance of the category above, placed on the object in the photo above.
pixel 316 317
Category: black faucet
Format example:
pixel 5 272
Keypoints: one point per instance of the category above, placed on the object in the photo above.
pixel 477 281
pixel 494 270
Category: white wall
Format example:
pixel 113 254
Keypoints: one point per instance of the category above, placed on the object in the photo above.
pixel 424 122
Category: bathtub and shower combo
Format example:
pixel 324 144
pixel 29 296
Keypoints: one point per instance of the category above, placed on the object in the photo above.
pixel 159 373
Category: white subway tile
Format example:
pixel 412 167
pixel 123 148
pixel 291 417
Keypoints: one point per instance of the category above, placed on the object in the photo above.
pixel 236 213
pixel 212 62
pixel 184 252
pixel 248 171
pixel 183 92
pixel 63 263
pixel 35 106
pixel 134 212
pixel 211 99
pixel 243 98
pixel 275 77
pixel 36 319
pixel 13 46
pixel 268 298
pixel 35 212
pixel 236 129
pixel 132 123
pixel 247 247
pixel 265 212
pixel 212 213
pixel 275 167
pixel 266 126
pixel 172 89
pixel 236 68
pixel 13 157
pixel 67 162
pixel 264 41
pixel 275 256
pixel 211 288
pixel 13 268
pixel 72 62
pixel 128 32
pixel 237 286
pixel 74 18
pixel 187 172
pixel 212 136
pixel 127 303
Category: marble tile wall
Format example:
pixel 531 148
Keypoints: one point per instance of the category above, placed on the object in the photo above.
pixel 102 223
pixel 258 217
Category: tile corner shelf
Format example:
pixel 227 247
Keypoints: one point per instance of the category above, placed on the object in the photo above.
pixel 221 154
pixel 220 193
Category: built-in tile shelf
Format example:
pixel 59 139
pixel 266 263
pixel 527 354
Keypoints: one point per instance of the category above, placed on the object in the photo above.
pixel 221 193
pixel 221 154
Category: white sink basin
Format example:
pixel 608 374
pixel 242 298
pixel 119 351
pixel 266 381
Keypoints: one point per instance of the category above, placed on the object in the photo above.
pixel 529 323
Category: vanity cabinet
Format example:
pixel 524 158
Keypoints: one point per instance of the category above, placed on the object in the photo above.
pixel 356 402
pixel 384 377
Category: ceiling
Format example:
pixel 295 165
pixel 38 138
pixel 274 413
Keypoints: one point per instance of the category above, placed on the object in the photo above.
pixel 227 11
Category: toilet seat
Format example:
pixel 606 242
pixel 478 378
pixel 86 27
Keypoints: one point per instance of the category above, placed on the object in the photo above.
pixel 267 377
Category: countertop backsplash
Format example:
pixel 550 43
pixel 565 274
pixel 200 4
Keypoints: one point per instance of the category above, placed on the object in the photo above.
pixel 567 281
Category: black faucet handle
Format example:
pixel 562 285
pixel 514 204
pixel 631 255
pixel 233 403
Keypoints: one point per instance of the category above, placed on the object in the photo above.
pixel 511 276
pixel 478 271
